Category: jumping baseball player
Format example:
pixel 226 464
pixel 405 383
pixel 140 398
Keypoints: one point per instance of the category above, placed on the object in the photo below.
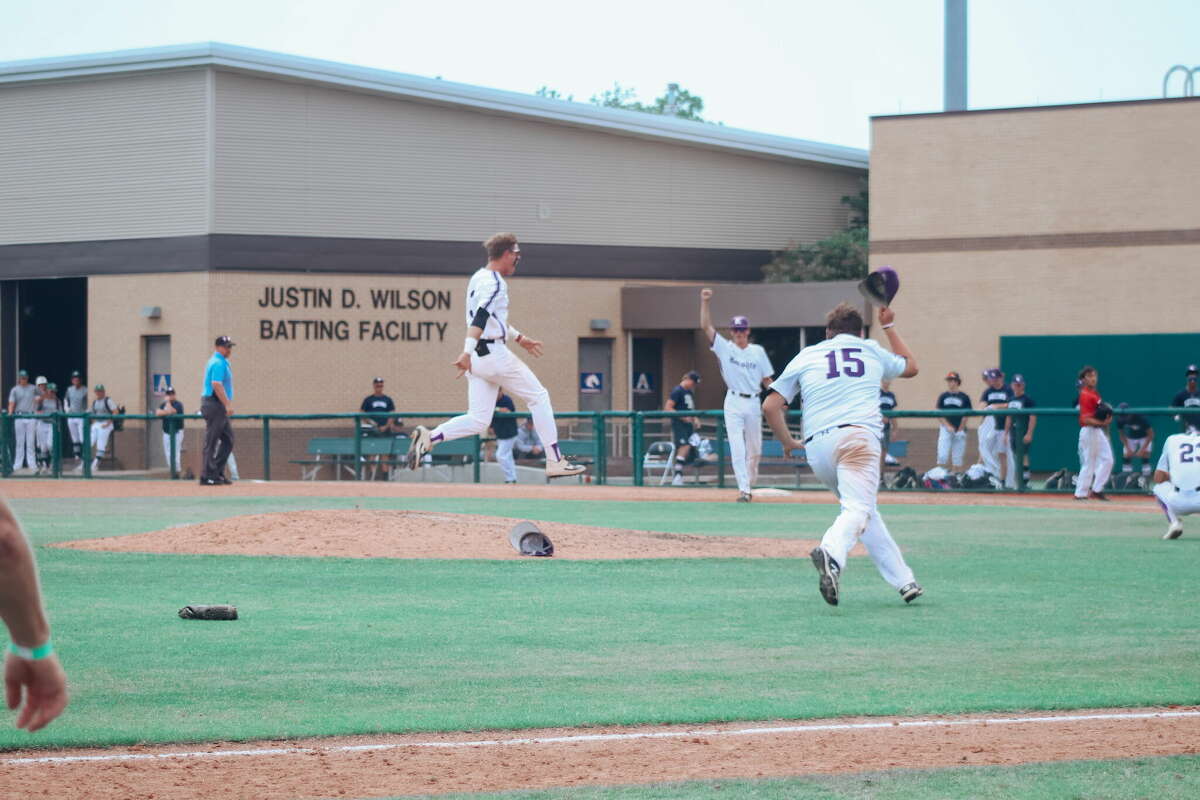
pixel 489 364
pixel 1095 451
pixel 22 399
pixel 746 370
pixel 991 430
pixel 952 433
pixel 75 401
pixel 1177 479
pixel 838 380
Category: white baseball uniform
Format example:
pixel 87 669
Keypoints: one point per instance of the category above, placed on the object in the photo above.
pixel 743 370
pixel 838 380
pixel 1181 459
pixel 102 430
pixel 499 367
pixel 991 429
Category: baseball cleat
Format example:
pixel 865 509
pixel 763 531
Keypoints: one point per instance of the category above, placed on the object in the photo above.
pixel 1175 531
pixel 911 591
pixel 828 570
pixel 744 497
pixel 563 468
pixel 677 480
pixel 1097 496
pixel 418 447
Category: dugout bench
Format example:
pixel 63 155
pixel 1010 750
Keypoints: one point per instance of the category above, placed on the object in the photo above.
pixel 338 453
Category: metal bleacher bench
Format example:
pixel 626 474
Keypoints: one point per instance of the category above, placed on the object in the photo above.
pixel 338 453
pixel 773 456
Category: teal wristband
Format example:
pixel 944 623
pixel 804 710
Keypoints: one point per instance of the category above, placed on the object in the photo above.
pixel 32 653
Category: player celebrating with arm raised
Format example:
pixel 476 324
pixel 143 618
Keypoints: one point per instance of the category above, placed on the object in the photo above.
pixel 489 364
pixel 838 380
pixel 746 369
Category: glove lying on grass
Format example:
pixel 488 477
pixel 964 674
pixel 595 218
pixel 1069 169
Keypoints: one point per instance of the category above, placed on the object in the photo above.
pixel 208 612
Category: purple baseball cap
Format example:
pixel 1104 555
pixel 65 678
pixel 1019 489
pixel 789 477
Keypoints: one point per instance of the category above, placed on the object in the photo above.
pixel 739 323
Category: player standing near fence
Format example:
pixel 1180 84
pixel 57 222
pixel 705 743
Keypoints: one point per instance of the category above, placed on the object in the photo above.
pixel 838 380
pixel 1095 450
pixel 489 364
pixel 952 431
pixel 746 369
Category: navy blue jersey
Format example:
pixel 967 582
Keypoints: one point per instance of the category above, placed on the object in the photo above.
pixel 996 397
pixel 683 399
pixel 504 428
pixel 887 402
pixel 1188 399
pixel 1020 423
pixel 1134 426
pixel 378 403
pixel 954 400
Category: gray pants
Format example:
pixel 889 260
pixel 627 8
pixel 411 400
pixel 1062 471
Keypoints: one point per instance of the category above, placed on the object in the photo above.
pixel 218 438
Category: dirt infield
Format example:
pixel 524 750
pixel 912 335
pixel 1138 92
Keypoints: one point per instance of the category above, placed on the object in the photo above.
pixel 471 762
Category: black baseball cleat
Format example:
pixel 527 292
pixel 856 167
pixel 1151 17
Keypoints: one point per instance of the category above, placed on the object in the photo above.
pixel 1097 496
pixel 744 497
pixel 418 447
pixel 828 570
pixel 911 591
pixel 209 482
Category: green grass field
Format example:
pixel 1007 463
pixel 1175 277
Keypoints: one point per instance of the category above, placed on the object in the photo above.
pixel 1025 609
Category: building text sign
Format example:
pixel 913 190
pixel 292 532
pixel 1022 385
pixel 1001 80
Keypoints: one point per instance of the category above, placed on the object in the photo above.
pixel 376 315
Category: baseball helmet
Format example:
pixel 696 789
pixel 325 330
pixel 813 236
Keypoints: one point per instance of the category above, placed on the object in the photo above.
pixel 527 540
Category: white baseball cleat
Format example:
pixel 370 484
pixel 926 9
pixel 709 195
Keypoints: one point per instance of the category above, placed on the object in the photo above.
pixel 418 447
pixel 563 468
pixel 677 480
pixel 1175 531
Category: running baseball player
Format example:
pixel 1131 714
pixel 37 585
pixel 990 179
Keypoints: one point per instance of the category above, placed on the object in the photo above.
pixel 1095 450
pixel 991 429
pixel 75 401
pixel 1177 479
pixel 489 364
pixel 838 380
pixel 746 370
pixel 952 433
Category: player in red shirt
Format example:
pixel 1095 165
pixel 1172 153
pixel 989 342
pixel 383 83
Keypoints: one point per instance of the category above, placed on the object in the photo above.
pixel 1095 449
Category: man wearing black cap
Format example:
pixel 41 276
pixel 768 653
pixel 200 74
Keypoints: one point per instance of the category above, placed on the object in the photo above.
pixel 216 405
pixel 952 433
pixel 376 403
pixel 171 412
pixel 1189 397
pixel 682 428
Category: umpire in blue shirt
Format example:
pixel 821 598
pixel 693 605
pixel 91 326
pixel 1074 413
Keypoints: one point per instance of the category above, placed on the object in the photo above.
pixel 216 404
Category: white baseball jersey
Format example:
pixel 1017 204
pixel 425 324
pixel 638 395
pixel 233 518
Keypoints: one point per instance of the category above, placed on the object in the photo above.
pixel 1181 458
pixel 489 290
pixel 838 380
pixel 742 368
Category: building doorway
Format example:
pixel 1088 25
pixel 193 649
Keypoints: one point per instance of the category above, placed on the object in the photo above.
pixel 647 373
pixel 158 378
pixel 43 327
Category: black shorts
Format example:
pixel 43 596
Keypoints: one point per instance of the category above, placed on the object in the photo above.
pixel 681 431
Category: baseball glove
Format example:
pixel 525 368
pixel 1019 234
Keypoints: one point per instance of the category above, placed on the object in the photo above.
pixel 208 612
pixel 1103 411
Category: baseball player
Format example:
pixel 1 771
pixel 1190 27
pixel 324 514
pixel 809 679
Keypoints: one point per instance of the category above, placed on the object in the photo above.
pixel 102 429
pixel 171 412
pixel 1177 479
pixel 838 380
pixel 952 433
pixel 991 430
pixel 746 370
pixel 1095 451
pixel 47 404
pixel 488 364
pixel 1189 397
pixel 76 402
pixel 22 399
pixel 683 428
pixel 1018 426
pixel 1137 439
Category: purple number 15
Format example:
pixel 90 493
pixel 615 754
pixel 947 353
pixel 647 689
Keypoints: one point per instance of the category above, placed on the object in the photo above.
pixel 852 366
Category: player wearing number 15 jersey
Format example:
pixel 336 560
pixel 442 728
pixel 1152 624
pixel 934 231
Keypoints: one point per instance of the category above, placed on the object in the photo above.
pixel 1177 479
pixel 838 381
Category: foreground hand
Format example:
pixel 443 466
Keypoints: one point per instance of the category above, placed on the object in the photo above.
pixel 463 362
pixel 886 316
pixel 706 294
pixel 45 690
pixel 532 345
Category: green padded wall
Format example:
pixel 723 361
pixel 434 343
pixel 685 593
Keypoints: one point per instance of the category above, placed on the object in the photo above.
pixel 1144 370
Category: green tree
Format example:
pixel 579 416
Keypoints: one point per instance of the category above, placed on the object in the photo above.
pixel 553 94
pixel 675 102
pixel 842 256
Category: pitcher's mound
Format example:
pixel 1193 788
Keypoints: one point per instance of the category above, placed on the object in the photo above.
pixel 426 534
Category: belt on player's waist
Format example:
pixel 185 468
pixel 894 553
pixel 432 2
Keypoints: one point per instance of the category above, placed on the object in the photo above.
pixel 482 348
pixel 830 428
pixel 739 394
pixel 1180 489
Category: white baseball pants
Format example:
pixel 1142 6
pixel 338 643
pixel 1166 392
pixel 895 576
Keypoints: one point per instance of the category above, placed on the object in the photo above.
pixel 1095 460
pixel 990 444
pixel 45 437
pixel 101 431
pixel 175 440
pixel 488 373
pixel 743 427
pixel 75 426
pixel 504 457
pixel 847 462
pixel 25 431
pixel 951 447
pixel 1177 502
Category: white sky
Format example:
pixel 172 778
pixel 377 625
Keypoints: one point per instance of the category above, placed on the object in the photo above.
pixel 800 68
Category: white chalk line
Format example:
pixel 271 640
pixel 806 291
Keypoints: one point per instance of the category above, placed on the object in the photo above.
pixel 617 737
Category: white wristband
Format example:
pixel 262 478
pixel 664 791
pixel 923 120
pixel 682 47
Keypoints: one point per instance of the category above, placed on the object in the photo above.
pixel 514 334
pixel 470 344
pixel 885 327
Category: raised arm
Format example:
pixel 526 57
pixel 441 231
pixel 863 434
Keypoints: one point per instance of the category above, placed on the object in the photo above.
pixel 706 315
pixel 887 321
